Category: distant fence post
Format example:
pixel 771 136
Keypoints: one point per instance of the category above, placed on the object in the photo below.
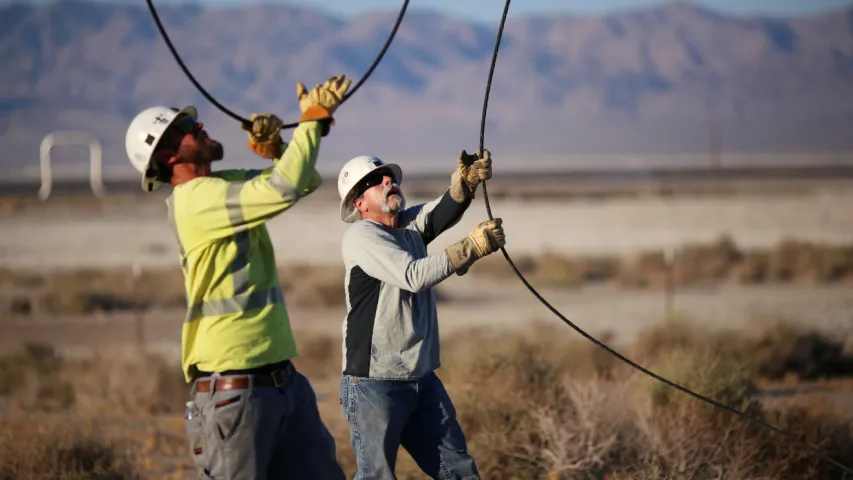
pixel 54 139
pixel 669 285
pixel 716 145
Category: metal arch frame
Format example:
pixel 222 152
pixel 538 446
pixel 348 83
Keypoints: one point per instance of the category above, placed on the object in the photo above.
pixel 68 138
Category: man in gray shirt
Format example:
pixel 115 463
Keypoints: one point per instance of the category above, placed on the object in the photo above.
pixel 389 392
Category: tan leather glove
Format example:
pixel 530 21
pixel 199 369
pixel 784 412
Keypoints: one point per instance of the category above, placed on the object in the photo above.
pixel 265 135
pixel 485 239
pixel 322 101
pixel 473 168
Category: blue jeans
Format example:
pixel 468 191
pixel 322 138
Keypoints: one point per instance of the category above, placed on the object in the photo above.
pixel 385 414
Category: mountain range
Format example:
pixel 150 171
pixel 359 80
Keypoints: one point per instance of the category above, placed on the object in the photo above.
pixel 649 81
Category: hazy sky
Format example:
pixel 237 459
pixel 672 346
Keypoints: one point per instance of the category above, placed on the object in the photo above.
pixel 491 9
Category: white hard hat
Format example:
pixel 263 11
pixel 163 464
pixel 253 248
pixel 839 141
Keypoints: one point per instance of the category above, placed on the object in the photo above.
pixel 353 172
pixel 143 134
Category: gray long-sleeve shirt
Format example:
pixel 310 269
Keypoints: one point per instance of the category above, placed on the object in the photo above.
pixel 391 327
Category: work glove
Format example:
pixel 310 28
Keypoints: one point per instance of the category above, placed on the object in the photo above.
pixel 265 135
pixel 473 168
pixel 485 239
pixel 322 101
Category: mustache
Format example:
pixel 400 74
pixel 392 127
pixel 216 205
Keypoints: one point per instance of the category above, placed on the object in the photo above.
pixel 393 188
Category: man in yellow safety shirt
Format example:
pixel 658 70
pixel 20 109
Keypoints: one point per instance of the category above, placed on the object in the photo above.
pixel 252 415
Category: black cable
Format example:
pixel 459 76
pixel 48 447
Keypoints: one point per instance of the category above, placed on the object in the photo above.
pixel 586 335
pixel 245 122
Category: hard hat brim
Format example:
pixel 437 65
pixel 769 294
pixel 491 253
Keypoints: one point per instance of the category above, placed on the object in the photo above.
pixel 189 110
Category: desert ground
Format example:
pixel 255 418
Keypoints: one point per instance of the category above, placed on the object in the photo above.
pixel 651 264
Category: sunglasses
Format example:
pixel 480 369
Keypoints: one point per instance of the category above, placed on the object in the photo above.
pixel 377 177
pixel 183 125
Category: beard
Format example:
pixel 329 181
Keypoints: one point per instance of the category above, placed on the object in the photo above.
pixel 217 151
pixel 394 203
pixel 205 151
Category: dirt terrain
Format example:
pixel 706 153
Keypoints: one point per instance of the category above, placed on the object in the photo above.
pixel 809 291
pixel 132 233
pixel 123 231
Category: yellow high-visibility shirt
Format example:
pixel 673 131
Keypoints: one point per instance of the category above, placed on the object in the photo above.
pixel 236 315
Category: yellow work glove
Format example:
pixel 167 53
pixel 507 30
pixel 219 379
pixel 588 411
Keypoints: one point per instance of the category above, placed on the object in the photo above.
pixel 485 239
pixel 322 101
pixel 265 135
pixel 472 169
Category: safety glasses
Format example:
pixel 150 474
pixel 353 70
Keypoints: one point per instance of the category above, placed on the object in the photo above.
pixel 375 178
pixel 184 124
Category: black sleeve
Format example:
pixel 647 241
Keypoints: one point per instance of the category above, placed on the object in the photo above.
pixel 445 215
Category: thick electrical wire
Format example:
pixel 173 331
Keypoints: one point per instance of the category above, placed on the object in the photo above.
pixel 590 337
pixel 521 277
pixel 245 122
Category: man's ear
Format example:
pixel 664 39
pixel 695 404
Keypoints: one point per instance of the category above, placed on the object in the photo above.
pixel 358 203
pixel 166 157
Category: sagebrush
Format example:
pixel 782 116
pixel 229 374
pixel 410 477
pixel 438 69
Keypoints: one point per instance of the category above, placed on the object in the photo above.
pixel 537 403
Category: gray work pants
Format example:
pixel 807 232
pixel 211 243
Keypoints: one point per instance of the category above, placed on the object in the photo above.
pixel 264 432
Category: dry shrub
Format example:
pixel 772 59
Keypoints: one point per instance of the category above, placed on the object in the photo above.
pixel 313 285
pixel 516 394
pixel 33 379
pixel 770 348
pixel 496 266
pixel 36 379
pixel 697 440
pixel 62 450
pixel 718 261
pixel 83 291
pixel 696 263
pixel 18 278
pixel 144 385
pixel 793 260
pixel 644 269
pixel 86 291
pixel 554 269
pixel 721 378
pixel 752 269
pixel 534 404
pixel 690 264
pixel 676 331
pixel 779 348
pixel 788 261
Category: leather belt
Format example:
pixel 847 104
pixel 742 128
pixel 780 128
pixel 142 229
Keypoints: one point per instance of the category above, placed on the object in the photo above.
pixel 276 378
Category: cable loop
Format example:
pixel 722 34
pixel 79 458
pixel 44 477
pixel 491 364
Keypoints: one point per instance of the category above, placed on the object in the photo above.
pixel 586 335
pixel 245 122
